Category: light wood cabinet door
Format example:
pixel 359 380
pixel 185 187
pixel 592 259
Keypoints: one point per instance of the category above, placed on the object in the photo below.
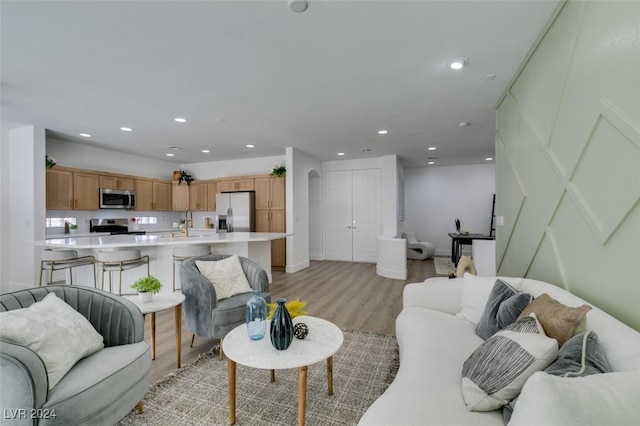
pixel 235 184
pixel 162 195
pixel 212 190
pixel 244 184
pixel 144 194
pixel 117 182
pixel 278 247
pixel 180 197
pixel 85 191
pixel 226 185
pixel 263 222
pixel 263 192
pixel 198 196
pixel 59 191
pixel 270 192
pixel 278 193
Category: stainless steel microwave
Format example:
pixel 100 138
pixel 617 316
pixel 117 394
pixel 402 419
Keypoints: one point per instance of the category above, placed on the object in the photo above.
pixel 117 199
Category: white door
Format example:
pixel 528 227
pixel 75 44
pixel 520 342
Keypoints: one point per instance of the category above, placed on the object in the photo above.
pixel 338 238
pixel 352 213
pixel 366 215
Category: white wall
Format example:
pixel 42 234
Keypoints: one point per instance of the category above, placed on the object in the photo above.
pixel 244 167
pixel 436 196
pixel 5 224
pixel 300 167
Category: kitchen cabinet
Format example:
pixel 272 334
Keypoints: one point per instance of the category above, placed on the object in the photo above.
pixel 212 190
pixel 198 196
pixel 153 195
pixel 59 189
pixel 85 191
pixel 179 196
pixel 71 190
pixel 117 182
pixel 270 214
pixel 244 183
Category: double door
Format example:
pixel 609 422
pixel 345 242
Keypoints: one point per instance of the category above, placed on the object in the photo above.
pixel 352 215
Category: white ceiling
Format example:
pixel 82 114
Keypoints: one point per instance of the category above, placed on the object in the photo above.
pixel 255 72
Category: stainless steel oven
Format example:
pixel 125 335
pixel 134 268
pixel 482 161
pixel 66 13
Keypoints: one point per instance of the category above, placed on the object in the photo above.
pixel 117 199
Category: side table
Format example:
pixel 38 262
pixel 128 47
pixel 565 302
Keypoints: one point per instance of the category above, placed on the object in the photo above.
pixel 323 341
pixel 161 302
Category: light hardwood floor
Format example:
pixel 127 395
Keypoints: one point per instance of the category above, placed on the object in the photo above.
pixel 350 295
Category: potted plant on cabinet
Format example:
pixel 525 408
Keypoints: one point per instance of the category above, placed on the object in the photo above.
pixel 147 287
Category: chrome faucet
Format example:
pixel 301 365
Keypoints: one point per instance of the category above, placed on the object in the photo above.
pixel 188 221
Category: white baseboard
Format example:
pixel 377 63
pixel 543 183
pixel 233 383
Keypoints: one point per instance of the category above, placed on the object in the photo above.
pixel 316 257
pixel 291 269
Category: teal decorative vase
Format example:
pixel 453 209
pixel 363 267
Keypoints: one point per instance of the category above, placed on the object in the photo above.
pixel 281 330
pixel 256 315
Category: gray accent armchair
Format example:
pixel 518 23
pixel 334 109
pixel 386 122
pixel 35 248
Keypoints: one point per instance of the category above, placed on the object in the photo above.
pixel 101 388
pixel 204 314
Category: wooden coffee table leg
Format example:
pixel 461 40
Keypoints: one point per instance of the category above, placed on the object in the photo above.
pixel 302 394
pixel 231 372
pixel 153 335
pixel 178 312
pixel 273 376
pixel 330 375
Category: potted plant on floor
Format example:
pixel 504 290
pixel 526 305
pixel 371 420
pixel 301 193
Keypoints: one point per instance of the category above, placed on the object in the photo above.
pixel 147 287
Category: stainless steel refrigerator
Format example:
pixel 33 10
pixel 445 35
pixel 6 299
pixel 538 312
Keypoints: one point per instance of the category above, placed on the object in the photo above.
pixel 235 211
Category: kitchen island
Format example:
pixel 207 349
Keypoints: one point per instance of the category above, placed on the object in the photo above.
pixel 159 247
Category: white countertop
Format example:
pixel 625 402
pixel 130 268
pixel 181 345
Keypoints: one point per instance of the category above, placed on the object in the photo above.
pixel 163 239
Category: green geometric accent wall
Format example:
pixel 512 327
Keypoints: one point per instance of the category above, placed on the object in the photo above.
pixel 568 159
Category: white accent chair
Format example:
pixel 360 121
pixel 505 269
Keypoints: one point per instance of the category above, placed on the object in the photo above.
pixel 418 250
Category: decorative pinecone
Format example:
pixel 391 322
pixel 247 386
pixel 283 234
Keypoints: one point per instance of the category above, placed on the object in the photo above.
pixel 300 330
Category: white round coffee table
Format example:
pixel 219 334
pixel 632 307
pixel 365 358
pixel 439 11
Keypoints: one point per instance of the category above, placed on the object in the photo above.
pixel 323 341
pixel 161 302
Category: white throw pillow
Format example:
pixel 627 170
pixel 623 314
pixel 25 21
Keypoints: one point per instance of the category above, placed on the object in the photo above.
pixel 475 293
pixel 496 371
pixel 55 331
pixel 226 275
pixel 599 399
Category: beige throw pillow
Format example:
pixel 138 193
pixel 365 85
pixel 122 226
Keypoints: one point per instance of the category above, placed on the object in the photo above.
pixel 226 275
pixel 59 334
pixel 559 321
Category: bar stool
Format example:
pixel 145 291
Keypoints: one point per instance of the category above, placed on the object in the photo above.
pixel 181 254
pixel 121 260
pixel 54 260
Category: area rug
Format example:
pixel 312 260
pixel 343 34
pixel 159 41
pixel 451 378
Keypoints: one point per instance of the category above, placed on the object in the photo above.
pixel 443 265
pixel 198 394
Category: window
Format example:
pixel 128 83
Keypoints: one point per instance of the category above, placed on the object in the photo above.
pixel 146 220
pixel 58 222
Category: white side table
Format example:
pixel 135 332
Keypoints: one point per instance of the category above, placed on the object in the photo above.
pixel 323 341
pixel 161 302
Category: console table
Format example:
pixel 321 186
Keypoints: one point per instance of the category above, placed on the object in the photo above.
pixel 458 240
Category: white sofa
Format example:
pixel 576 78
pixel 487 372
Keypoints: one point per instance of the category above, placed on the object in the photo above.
pixel 434 343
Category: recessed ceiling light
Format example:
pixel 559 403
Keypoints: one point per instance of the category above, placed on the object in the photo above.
pixel 180 120
pixel 206 151
pixel 490 77
pixel 489 158
pixel 463 124
pixel 431 163
pixel 85 135
pixel 298 5
pixel 126 129
pixel 457 63
pixel 249 146
pixel 170 155
pixel 432 148
pixel 341 153
pixel 383 132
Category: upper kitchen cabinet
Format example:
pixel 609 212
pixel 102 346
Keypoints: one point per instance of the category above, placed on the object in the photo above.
pixel 212 190
pixel 85 191
pixel 71 190
pixel 270 193
pixel 235 184
pixel 180 196
pixel 153 195
pixel 198 196
pixel 117 182
pixel 59 189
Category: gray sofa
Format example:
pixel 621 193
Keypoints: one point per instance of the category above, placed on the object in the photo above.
pixel 101 388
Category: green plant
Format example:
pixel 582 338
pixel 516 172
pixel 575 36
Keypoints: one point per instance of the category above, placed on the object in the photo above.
pixel 185 177
pixel 148 284
pixel 279 171
pixel 50 162
pixel 73 226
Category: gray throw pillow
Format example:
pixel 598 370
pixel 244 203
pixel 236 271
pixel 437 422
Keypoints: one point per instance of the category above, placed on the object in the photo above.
pixel 582 355
pixel 503 307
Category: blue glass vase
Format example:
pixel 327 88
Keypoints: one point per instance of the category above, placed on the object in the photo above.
pixel 256 315
pixel 281 330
